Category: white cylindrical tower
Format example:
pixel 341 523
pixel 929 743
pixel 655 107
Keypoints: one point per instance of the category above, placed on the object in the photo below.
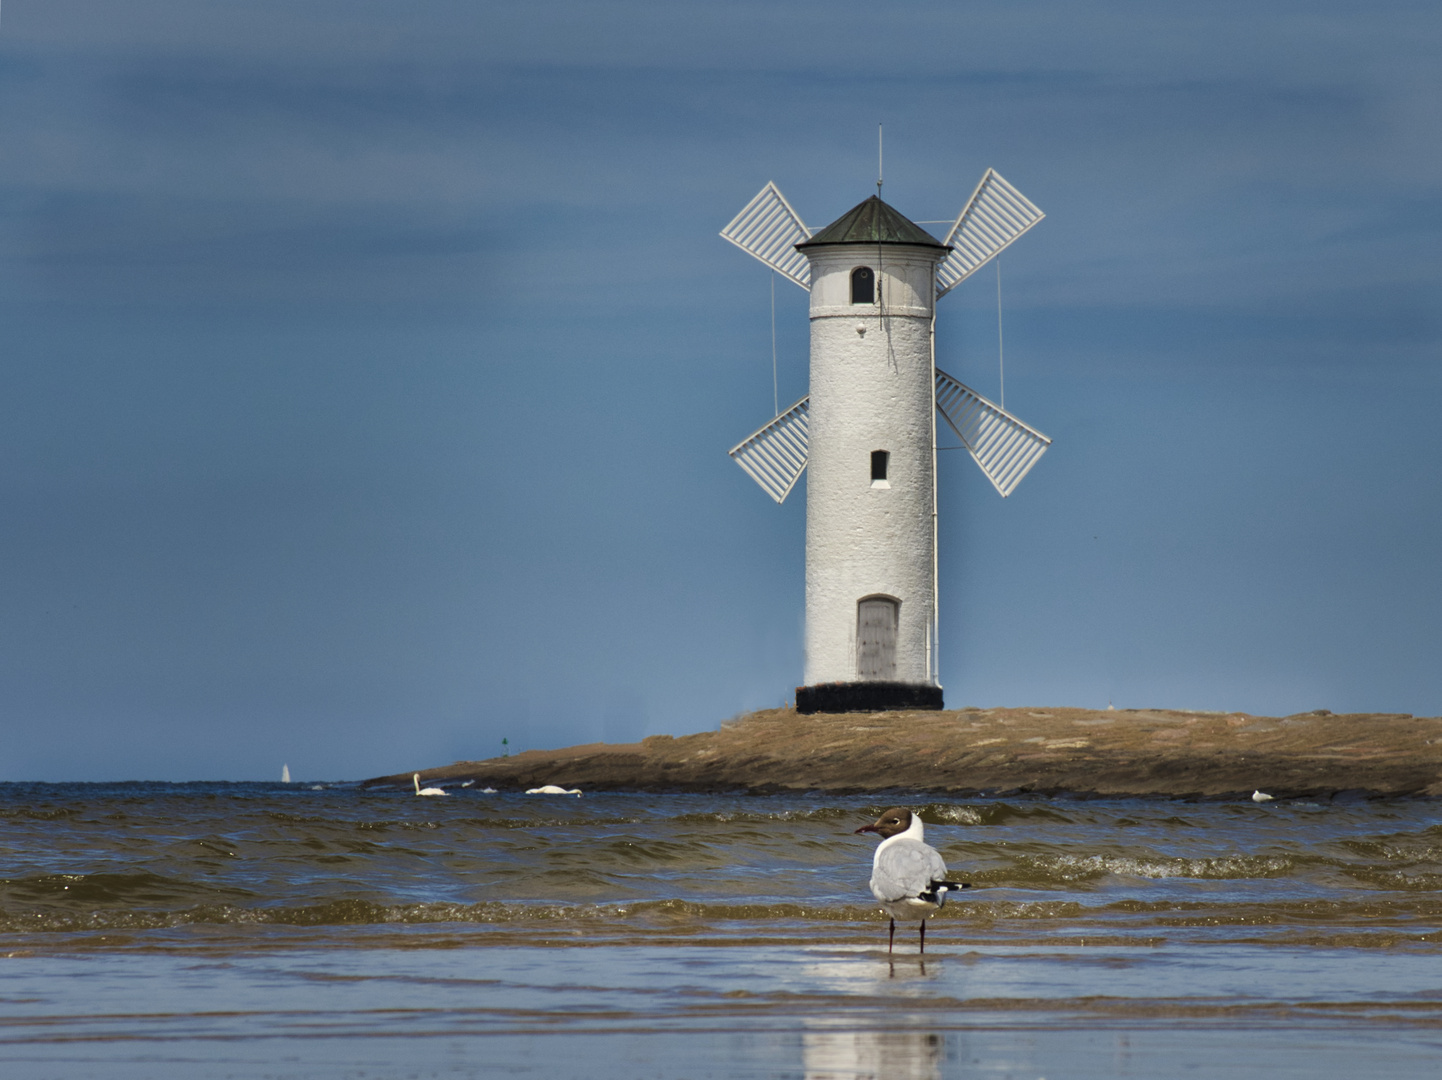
pixel 870 496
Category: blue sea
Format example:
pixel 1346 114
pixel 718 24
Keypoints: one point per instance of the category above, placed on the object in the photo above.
pixel 325 931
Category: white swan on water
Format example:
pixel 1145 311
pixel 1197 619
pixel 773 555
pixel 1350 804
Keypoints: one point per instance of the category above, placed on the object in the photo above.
pixel 552 789
pixel 416 779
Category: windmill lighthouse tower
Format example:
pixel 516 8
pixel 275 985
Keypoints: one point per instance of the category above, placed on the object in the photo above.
pixel 867 429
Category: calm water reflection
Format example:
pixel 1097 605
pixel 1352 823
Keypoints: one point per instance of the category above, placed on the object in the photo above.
pixel 910 1053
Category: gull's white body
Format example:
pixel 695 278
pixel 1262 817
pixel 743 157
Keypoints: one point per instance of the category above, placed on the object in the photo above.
pixel 908 877
pixel 904 866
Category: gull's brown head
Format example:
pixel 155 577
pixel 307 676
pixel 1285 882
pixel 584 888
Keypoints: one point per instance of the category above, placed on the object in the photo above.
pixel 896 820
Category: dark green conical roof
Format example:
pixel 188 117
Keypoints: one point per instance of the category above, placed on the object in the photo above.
pixel 872 222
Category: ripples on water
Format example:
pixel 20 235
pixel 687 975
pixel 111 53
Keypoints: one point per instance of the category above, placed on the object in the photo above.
pixel 246 861
pixel 1097 909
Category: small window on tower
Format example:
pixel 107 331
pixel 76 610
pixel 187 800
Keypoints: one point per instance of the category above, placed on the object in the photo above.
pixel 863 286
pixel 879 461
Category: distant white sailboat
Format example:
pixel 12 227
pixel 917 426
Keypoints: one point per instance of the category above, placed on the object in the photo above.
pixel 285 774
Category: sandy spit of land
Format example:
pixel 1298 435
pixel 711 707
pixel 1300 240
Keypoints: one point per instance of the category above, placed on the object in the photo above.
pixel 1144 752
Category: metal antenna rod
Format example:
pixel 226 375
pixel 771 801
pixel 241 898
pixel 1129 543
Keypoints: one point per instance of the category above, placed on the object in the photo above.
pixel 1000 351
pixel 775 399
pixel 933 651
pixel 878 161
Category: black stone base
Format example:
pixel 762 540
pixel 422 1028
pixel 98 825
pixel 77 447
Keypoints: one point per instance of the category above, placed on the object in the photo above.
pixel 840 697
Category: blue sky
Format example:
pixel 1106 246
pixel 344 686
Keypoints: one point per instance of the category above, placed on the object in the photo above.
pixel 369 368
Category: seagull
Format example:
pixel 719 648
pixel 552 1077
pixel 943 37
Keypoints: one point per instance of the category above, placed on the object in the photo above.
pixel 416 779
pixel 907 874
pixel 552 789
pixel 1261 796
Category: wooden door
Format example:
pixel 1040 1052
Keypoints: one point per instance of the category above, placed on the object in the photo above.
pixel 876 619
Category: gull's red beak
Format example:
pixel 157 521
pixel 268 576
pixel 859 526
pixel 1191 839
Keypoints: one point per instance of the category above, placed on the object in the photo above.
pixel 865 828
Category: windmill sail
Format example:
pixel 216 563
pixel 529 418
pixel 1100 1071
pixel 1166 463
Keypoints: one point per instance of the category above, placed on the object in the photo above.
pixel 775 456
pixel 770 230
pixel 1003 446
pixel 994 216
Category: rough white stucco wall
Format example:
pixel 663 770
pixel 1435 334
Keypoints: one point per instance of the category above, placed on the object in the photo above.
pixel 871 389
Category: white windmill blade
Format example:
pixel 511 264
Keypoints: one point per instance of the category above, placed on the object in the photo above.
pixel 1003 446
pixel 775 456
pixel 994 216
pixel 770 230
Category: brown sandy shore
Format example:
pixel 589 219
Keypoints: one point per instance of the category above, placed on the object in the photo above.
pixel 1144 752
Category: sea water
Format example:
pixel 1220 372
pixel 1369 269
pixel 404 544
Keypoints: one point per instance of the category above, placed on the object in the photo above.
pixel 267 930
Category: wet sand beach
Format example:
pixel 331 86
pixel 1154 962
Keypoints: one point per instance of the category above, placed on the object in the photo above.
pixel 1127 752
